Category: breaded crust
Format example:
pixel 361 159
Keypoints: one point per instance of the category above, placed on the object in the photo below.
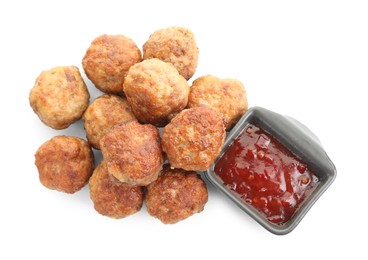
pixel 102 114
pixel 156 91
pixel 175 45
pixel 111 197
pixel 59 96
pixel 64 163
pixel 176 195
pixel 133 153
pixel 226 96
pixel 108 60
pixel 194 138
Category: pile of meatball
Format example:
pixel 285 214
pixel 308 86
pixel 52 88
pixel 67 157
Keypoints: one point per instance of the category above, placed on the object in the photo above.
pixel 141 95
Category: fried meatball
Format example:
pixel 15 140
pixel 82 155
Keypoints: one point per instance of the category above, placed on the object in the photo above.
pixel 226 96
pixel 64 163
pixel 156 91
pixel 176 195
pixel 133 153
pixel 194 138
pixel 59 96
pixel 105 112
pixel 108 60
pixel 175 45
pixel 111 197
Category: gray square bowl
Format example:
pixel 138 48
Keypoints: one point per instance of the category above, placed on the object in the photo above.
pixel 301 142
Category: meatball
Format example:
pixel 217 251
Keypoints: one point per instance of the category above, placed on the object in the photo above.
pixel 105 112
pixel 64 163
pixel 108 60
pixel 133 153
pixel 156 91
pixel 111 197
pixel 59 96
pixel 175 45
pixel 176 195
pixel 194 138
pixel 226 96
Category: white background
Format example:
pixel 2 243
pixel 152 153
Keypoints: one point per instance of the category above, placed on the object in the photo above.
pixel 306 59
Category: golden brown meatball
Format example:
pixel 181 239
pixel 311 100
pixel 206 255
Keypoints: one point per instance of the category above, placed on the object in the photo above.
pixel 108 60
pixel 105 112
pixel 156 91
pixel 226 96
pixel 111 197
pixel 64 163
pixel 176 195
pixel 175 45
pixel 133 153
pixel 194 138
pixel 59 96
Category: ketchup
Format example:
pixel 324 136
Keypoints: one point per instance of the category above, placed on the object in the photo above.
pixel 265 174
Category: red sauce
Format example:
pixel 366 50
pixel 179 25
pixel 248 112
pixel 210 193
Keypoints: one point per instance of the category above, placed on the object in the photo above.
pixel 265 174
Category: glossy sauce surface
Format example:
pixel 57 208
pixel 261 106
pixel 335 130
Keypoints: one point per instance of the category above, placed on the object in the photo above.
pixel 265 174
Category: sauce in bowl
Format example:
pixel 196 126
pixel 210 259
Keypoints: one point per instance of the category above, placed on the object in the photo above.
pixel 265 174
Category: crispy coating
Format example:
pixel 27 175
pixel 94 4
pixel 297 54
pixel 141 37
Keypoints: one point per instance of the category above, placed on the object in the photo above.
pixel 133 153
pixel 64 163
pixel 108 60
pixel 226 96
pixel 111 197
pixel 176 195
pixel 59 96
pixel 175 45
pixel 156 91
pixel 102 114
pixel 194 138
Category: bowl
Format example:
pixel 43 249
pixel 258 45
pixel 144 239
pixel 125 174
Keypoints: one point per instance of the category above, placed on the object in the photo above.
pixel 298 140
